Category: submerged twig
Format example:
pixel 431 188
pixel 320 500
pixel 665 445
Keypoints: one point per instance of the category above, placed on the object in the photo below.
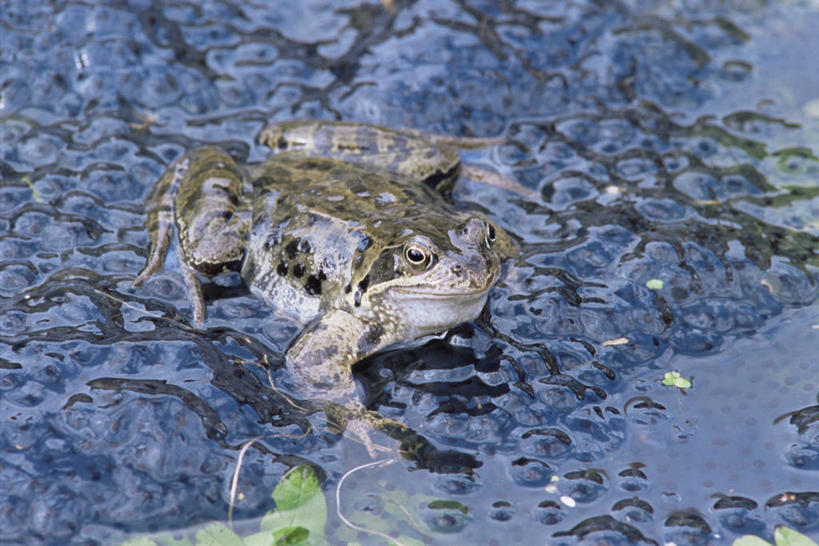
pixel 234 482
pixel 350 524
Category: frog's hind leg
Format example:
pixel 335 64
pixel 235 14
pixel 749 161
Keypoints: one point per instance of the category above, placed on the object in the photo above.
pixel 159 210
pixel 433 161
pixel 431 158
pixel 198 199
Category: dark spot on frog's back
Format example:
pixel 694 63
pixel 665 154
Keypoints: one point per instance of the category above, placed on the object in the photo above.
pixel 281 269
pixel 297 246
pixel 272 240
pixel 440 179
pixel 310 164
pixel 298 270
pixel 264 181
pixel 292 248
pixel 313 285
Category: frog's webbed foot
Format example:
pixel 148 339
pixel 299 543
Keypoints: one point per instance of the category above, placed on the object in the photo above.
pixel 494 178
pixel 361 423
pixel 464 143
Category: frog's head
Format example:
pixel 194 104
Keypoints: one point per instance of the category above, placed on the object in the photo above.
pixel 437 278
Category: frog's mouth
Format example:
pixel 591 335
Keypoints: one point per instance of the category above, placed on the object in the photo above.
pixel 444 290
pixel 415 293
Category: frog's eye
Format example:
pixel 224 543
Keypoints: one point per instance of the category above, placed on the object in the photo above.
pixel 417 254
pixel 490 233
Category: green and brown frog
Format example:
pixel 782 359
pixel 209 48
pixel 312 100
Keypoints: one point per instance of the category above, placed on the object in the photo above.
pixel 349 229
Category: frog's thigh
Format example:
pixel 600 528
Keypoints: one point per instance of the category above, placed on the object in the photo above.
pixel 409 153
pixel 212 226
pixel 323 356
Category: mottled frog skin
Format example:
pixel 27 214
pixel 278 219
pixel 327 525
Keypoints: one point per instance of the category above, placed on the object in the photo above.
pixel 348 229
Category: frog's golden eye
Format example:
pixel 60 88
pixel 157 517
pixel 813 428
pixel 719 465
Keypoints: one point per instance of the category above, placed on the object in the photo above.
pixel 417 254
pixel 490 233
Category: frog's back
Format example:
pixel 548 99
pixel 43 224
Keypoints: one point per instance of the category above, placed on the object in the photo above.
pixel 359 194
pixel 319 223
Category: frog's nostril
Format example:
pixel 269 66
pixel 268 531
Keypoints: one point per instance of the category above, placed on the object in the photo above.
pixel 456 269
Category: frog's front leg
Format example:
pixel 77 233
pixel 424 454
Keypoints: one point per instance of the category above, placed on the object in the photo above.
pixel 199 196
pixel 322 357
pixel 321 360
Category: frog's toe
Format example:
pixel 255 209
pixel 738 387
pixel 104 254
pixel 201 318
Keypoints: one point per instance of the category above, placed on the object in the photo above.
pixel 362 431
pixel 149 271
pixel 140 279
pixel 160 239
pixel 193 289
pixel 360 424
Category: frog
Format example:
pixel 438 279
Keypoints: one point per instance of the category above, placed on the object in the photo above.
pixel 348 229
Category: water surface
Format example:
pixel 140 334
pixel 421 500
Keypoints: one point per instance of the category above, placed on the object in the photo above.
pixel 663 141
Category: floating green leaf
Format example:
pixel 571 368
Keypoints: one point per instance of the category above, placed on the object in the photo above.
pixel 674 379
pixel 291 536
pixel 299 504
pixel 217 534
pixel 159 539
pixel 167 539
pixel 139 541
pixel 750 540
pixel 785 536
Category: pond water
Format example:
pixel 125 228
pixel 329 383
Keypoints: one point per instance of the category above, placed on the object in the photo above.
pixel 664 141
